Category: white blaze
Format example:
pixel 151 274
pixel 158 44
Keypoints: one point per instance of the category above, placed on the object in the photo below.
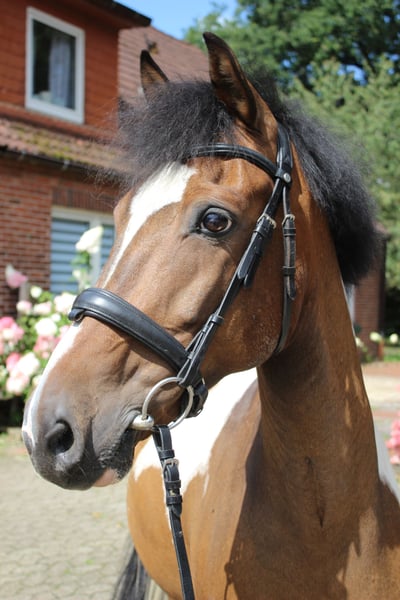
pixel 164 188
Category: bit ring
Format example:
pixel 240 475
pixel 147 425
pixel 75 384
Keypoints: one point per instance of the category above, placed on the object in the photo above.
pixel 145 422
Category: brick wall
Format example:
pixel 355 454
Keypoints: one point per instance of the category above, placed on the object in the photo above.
pixel 27 194
pixel 101 56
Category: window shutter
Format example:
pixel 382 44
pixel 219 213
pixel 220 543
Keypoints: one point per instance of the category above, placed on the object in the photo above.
pixel 65 232
pixel 64 235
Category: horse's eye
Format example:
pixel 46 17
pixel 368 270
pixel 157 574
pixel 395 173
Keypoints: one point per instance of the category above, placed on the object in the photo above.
pixel 216 221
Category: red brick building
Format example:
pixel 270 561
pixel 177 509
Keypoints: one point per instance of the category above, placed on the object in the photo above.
pixel 63 68
pixel 58 80
pixel 59 83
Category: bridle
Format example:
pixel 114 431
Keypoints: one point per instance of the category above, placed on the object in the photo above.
pixel 113 310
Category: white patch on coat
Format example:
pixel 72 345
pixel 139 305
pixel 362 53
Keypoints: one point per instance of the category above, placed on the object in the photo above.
pixel 164 188
pixel 194 439
pixel 30 426
pixel 194 456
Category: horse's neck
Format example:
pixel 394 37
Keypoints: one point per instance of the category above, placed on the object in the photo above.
pixel 316 421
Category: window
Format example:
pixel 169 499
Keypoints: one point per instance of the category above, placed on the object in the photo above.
pixel 67 226
pixel 54 66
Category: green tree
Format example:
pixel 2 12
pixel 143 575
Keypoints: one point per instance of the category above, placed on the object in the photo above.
pixel 369 116
pixel 342 59
pixel 292 37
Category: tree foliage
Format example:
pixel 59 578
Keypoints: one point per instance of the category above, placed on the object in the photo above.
pixel 342 59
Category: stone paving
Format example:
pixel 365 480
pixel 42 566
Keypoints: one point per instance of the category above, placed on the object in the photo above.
pixel 56 544
pixel 63 545
pixel 382 381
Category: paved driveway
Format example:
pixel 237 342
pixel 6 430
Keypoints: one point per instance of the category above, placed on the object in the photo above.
pixel 56 544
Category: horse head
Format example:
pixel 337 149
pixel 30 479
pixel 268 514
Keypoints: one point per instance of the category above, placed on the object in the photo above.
pixel 181 232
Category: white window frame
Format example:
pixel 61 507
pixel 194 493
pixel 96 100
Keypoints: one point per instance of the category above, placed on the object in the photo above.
pixel 75 115
pixel 94 219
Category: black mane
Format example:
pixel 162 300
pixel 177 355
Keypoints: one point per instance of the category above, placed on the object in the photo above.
pixel 182 115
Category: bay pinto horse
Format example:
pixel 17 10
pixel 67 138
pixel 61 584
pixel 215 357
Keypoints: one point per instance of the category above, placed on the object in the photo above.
pixel 283 498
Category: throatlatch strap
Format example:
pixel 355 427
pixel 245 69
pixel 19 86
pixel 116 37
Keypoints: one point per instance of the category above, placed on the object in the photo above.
pixel 173 500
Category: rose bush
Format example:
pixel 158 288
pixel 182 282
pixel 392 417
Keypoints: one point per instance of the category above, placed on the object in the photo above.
pixel 27 341
pixel 394 442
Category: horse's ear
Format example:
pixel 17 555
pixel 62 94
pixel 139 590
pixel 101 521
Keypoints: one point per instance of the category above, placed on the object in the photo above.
pixel 150 72
pixel 231 85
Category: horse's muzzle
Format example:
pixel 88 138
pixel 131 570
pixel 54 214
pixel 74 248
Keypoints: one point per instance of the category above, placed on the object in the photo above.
pixel 68 459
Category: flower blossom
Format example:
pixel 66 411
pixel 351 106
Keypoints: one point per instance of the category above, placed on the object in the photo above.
pixel 43 308
pixel 46 327
pixel 394 442
pixel 28 364
pixel 12 360
pixel 376 337
pixel 45 345
pixel 17 383
pixel 14 278
pixel 10 331
pixel 6 323
pixel 21 373
pixel 90 240
pixel 36 292
pixel 24 307
pixel 63 302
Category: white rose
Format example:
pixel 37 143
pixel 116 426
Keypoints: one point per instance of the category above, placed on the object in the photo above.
pixel 28 364
pixel 63 302
pixel 44 308
pixel 46 327
pixel 394 339
pixel 24 307
pixel 36 291
pixel 90 240
pixel 17 383
pixel 375 337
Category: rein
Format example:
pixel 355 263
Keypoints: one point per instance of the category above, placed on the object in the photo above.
pixel 113 310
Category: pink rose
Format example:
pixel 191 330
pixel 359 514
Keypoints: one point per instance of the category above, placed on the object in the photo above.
pixel 17 383
pixel 14 278
pixel 6 323
pixel 45 345
pixel 12 334
pixel 12 360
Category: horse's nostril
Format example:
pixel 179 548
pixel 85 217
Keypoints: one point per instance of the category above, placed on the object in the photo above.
pixel 60 438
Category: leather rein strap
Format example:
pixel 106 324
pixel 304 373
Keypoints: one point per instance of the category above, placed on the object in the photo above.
pixel 173 501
